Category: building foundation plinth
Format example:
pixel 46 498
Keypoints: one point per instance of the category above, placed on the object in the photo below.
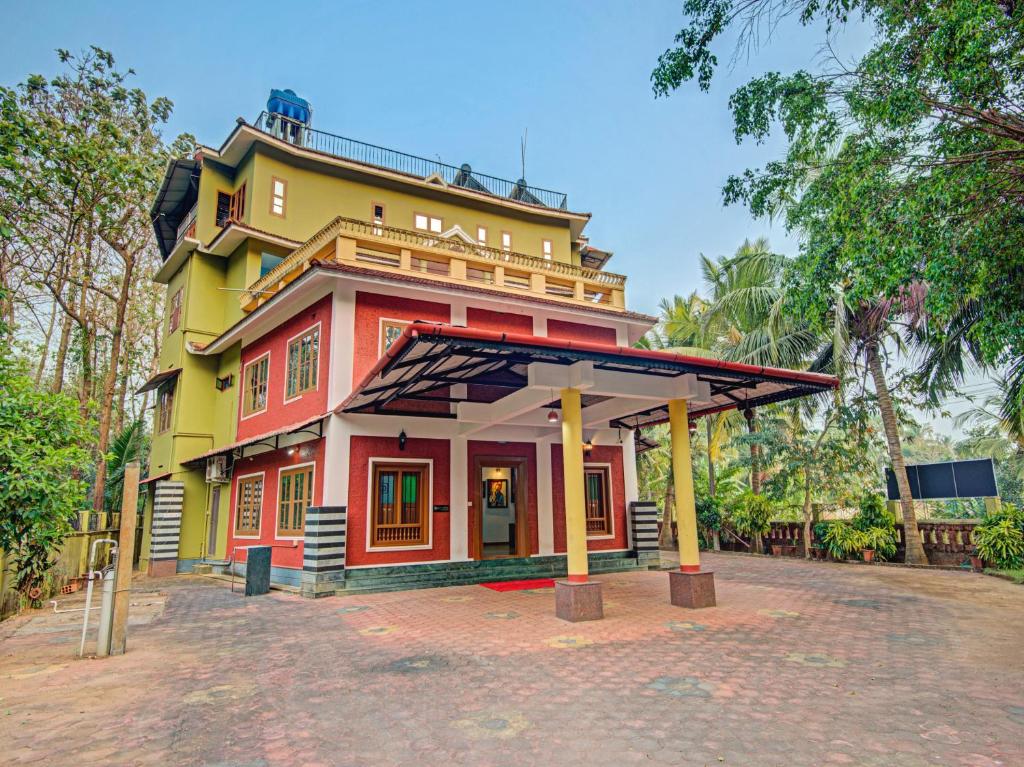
pixel 692 590
pixel 578 601
pixel 162 568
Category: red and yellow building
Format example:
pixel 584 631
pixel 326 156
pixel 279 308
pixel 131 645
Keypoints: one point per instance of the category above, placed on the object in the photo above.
pixel 397 372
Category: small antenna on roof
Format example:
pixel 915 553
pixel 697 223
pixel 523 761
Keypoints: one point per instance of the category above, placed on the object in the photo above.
pixel 522 152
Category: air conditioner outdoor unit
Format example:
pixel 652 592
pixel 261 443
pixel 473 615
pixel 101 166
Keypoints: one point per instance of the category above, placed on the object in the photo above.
pixel 217 469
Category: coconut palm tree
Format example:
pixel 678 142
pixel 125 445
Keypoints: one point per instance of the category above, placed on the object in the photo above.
pixel 747 319
pixel 866 331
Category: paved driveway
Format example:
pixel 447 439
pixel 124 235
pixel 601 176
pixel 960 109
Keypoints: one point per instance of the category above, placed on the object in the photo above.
pixel 801 664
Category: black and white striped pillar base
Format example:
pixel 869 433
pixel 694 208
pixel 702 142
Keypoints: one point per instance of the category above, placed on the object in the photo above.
pixel 643 517
pixel 168 498
pixel 323 553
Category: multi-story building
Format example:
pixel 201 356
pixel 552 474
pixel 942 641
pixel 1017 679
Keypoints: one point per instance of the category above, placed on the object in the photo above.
pixel 374 361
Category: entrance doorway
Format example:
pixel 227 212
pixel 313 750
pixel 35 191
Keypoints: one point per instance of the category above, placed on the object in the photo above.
pixel 500 508
pixel 211 539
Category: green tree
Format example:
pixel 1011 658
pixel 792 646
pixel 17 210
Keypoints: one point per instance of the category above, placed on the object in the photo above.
pixel 42 459
pixel 76 195
pixel 902 169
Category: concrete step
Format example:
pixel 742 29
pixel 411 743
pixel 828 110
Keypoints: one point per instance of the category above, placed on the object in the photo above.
pixel 467 573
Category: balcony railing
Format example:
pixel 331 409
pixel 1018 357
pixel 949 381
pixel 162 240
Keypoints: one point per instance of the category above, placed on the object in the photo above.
pixel 449 260
pixel 187 227
pixel 464 177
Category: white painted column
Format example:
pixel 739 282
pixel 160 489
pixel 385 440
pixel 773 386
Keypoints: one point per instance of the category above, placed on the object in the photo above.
pixel 632 489
pixel 339 384
pixel 458 495
pixel 545 507
pixel 342 351
pixel 336 468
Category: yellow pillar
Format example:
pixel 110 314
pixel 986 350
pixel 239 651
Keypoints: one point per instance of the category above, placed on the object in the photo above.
pixel 572 473
pixel 682 473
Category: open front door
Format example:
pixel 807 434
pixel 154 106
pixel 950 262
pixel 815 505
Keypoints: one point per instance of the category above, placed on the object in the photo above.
pixel 499 506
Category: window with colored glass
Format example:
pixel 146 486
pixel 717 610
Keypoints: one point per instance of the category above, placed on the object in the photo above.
pixel 399 514
pixel 597 502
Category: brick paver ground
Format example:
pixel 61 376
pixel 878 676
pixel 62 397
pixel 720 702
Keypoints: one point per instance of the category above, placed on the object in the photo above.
pixel 801 664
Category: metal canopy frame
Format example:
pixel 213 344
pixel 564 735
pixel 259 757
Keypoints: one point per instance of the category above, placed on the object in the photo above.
pixel 428 359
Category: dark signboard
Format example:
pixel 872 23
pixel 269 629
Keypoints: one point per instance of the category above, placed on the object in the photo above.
pixel 975 478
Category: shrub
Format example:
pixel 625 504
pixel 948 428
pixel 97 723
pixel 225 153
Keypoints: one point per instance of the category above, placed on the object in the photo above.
pixel 709 513
pixel 873 513
pixel 882 540
pixel 1001 542
pixel 752 515
pixel 842 539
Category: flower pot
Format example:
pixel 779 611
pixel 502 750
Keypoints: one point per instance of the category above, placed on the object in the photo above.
pixel 977 563
pixel 868 554
pixel 776 550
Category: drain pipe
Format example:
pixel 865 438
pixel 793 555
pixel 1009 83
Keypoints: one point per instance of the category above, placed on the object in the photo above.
pixel 88 592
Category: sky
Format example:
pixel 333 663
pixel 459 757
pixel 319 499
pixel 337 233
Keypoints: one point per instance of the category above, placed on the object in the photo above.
pixel 463 82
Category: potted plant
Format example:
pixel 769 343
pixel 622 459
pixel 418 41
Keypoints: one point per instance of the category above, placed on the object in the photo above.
pixel 878 541
pixel 776 549
pixel 977 563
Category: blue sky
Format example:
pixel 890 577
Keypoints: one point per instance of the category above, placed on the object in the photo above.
pixel 462 81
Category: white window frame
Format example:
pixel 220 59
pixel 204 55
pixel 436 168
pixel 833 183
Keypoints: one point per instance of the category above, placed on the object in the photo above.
pixel 278 200
pixel 241 400
pixel 481 235
pixel 281 470
pixel 506 241
pixel 547 249
pixel 238 498
pixel 611 498
pixel 369 503
pixel 284 391
pixel 431 223
pixel 380 331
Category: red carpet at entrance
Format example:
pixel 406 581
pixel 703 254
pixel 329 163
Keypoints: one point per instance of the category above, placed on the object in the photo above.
pixel 536 583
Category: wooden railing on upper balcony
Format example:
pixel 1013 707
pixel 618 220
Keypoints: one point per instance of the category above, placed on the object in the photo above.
pixel 444 260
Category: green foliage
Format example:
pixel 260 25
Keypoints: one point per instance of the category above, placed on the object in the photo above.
pixel 41 461
pixel 841 539
pixel 709 513
pixel 752 514
pixel 903 168
pixel 130 445
pixel 873 514
pixel 880 539
pixel 1001 542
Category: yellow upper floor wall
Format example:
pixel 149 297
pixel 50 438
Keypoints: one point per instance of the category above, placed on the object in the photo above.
pixel 314 196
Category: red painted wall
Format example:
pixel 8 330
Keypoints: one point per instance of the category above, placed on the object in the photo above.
pixel 526 450
pixel 608 454
pixel 575 331
pixel 309 405
pixel 504 322
pixel 285 553
pixel 361 450
pixel 370 309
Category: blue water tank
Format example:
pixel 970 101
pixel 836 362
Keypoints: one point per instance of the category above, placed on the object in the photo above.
pixel 287 104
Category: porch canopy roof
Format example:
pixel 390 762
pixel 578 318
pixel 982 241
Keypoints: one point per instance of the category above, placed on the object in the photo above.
pixel 487 377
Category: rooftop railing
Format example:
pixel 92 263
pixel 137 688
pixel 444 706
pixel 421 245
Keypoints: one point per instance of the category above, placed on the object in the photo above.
pixel 462 176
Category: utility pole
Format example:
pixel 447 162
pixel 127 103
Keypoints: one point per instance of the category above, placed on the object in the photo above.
pixel 125 559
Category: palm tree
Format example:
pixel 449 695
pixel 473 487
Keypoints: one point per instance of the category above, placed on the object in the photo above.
pixel 748 320
pixel 865 330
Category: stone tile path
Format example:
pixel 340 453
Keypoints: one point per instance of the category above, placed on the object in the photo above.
pixel 801 664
